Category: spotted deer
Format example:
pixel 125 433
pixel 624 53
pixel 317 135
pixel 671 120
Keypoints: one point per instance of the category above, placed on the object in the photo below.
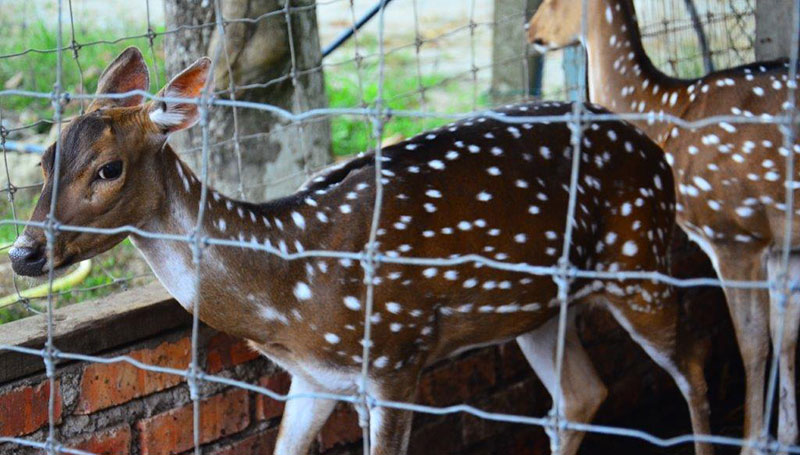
pixel 481 185
pixel 729 178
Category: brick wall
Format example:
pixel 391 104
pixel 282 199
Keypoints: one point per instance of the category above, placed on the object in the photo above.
pixel 118 409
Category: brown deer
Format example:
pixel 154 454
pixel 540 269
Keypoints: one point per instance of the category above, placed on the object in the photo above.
pixel 480 185
pixel 730 178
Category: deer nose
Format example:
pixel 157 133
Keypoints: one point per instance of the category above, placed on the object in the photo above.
pixel 27 261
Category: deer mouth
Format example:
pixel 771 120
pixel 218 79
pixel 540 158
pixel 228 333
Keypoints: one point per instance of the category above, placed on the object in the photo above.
pixel 31 261
pixel 540 46
pixel 27 257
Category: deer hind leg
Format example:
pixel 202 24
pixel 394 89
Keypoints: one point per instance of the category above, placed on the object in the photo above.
pixel 390 428
pixel 582 391
pixel 302 418
pixel 787 410
pixel 749 313
pixel 649 313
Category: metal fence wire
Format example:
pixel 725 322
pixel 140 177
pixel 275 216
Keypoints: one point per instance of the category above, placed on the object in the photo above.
pixel 729 33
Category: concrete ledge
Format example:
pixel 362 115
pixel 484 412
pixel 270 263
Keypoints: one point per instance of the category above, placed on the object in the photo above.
pixel 92 327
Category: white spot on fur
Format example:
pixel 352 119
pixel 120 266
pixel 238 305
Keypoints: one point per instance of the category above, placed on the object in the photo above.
pixel 302 291
pixel 630 248
pixel 352 303
pixel 299 220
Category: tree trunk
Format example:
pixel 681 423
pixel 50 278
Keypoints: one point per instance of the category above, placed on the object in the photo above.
pixel 276 155
pixel 773 28
pixel 516 74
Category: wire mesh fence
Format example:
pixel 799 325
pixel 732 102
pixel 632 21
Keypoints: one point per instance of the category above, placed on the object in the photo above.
pixel 670 35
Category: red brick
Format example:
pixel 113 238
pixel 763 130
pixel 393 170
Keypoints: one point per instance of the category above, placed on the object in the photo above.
pixel 24 410
pixel 106 385
pixel 341 428
pixel 114 441
pixel 459 380
pixel 171 432
pixel 266 407
pixel 225 351
pixel 257 444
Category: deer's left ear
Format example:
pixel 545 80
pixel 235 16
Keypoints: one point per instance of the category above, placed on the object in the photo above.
pixel 126 73
pixel 170 116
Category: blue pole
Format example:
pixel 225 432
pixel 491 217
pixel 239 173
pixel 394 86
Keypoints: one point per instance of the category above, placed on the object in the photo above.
pixel 572 72
pixel 349 32
pixel 24 148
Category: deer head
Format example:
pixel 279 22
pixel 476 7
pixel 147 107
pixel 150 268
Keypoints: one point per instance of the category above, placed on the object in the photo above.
pixel 110 159
pixel 556 24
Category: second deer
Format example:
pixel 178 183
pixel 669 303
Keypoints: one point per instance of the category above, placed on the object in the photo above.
pixel 729 178
pixel 482 185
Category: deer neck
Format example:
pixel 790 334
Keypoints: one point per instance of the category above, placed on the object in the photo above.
pixel 621 75
pixel 226 301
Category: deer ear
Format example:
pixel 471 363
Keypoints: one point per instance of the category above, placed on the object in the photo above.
pixel 171 116
pixel 126 73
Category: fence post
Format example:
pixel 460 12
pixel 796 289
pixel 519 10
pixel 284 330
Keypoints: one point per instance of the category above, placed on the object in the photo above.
pixel 773 29
pixel 512 79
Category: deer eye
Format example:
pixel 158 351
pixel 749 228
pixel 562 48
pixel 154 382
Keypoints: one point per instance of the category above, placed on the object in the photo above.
pixel 110 171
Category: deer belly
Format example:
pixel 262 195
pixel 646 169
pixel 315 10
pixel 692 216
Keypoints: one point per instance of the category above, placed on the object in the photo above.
pixel 330 378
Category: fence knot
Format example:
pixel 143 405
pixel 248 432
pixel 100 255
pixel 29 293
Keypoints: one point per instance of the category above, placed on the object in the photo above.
pixel 765 444
pixel 52 446
pixel 50 355
pixel 51 226
pixel 75 46
pixel 12 190
pixel 192 377
pixel 64 99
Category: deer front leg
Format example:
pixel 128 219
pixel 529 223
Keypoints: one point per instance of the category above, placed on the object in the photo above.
pixel 789 317
pixel 302 418
pixel 750 326
pixel 749 310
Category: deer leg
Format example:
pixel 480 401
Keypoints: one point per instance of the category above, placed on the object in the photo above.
pixel 302 418
pixel 581 391
pixel 390 428
pixel 750 326
pixel 749 313
pixel 655 329
pixel 787 340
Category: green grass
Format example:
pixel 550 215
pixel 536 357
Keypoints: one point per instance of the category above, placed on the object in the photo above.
pixel 38 69
pixel 401 91
pixel 351 135
pixel 9 231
